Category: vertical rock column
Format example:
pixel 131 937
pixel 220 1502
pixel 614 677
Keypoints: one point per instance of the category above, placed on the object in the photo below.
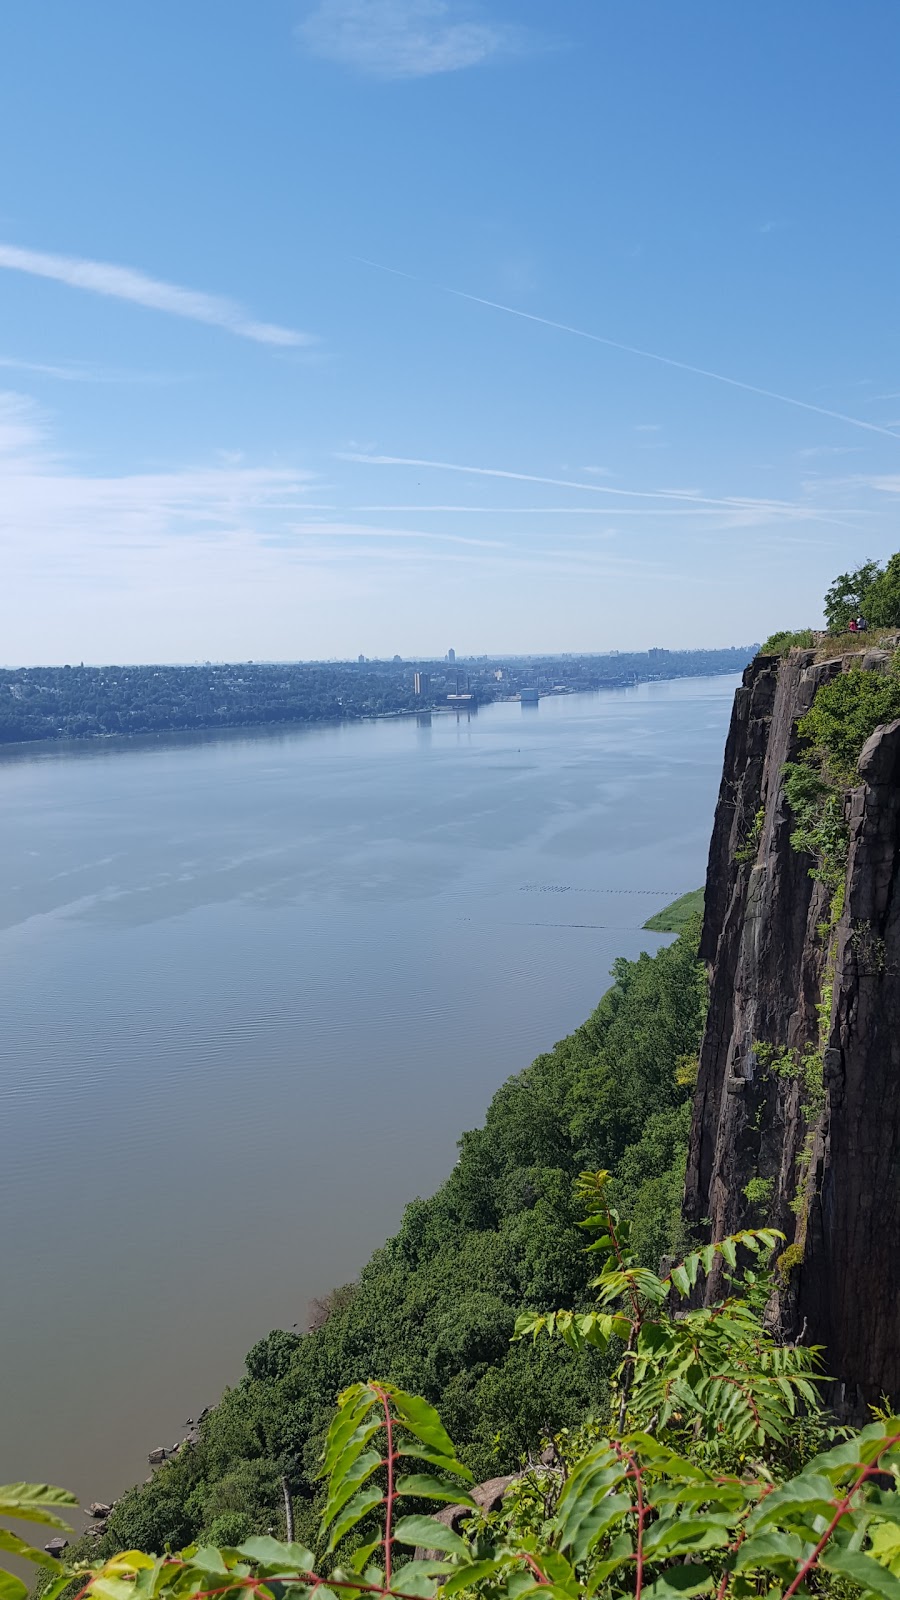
pixel 849 1279
pixel 833 1188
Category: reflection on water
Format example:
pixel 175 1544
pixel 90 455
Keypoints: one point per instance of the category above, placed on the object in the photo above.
pixel 228 956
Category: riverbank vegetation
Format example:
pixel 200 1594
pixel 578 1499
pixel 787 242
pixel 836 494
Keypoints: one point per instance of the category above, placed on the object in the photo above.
pixel 679 915
pixel 435 1308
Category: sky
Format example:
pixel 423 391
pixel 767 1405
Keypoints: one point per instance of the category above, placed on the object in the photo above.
pixel 341 326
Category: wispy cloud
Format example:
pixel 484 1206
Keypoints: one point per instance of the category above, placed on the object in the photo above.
pixel 84 372
pixel 729 502
pixel 814 450
pixel 358 530
pixel 401 38
pixel 542 511
pixel 125 283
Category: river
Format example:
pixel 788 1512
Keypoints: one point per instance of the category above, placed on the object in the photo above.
pixel 256 984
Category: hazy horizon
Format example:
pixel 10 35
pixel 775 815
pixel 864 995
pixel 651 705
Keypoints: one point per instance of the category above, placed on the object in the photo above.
pixel 386 660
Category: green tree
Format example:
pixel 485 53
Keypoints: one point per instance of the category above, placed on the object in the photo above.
pixel 848 596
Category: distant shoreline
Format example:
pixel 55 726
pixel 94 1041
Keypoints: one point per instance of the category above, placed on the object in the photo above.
pixel 346 719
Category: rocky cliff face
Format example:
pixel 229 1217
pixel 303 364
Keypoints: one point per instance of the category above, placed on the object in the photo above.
pixel 825 1168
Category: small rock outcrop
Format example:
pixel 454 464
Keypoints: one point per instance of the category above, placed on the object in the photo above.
pixel 781 981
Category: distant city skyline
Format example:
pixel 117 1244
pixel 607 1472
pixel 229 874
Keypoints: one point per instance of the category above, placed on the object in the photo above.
pixel 406 322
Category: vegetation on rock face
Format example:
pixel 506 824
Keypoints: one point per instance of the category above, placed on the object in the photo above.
pixel 844 714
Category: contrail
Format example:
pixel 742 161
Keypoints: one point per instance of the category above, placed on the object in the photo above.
pixel 634 350
pixel 733 504
pixel 812 512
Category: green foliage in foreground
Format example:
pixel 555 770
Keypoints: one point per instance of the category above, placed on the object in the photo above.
pixel 665 1499
pixel 625 1515
pixel 715 1379
pixel 679 915
pixel 31 1502
pixel 435 1308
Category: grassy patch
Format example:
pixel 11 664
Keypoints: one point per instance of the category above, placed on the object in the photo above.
pixel 830 645
pixel 674 918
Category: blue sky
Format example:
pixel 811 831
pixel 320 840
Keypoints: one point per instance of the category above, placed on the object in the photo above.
pixel 226 433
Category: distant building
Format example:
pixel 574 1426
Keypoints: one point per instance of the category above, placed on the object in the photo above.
pixel 398 658
pixel 529 697
pixel 462 702
pixel 361 660
pixel 421 685
pixel 451 655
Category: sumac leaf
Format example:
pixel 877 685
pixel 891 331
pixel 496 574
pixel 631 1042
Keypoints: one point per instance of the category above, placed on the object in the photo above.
pixel 432 1534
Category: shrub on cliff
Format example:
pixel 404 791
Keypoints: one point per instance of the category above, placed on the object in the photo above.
pixel 778 644
pixel 844 713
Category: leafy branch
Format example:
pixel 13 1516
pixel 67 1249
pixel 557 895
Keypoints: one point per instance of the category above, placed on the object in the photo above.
pixel 633 1520
pixel 714 1371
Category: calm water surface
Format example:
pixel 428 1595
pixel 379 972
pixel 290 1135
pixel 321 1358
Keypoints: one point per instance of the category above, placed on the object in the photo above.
pixel 255 985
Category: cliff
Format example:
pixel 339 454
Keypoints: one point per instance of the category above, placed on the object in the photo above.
pixel 814 1151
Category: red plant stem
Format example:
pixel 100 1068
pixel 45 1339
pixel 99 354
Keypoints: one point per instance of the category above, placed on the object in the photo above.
pixel 389 1498
pixel 732 1550
pixel 641 1513
pixel 841 1509
pixel 530 1561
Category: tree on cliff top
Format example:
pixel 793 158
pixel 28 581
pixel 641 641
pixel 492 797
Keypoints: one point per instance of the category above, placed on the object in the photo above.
pixel 872 591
